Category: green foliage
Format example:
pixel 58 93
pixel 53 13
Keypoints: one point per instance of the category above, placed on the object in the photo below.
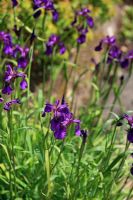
pixel 126 32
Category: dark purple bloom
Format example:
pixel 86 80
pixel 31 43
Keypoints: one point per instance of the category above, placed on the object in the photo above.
pixel 48 108
pixel 109 40
pixel 82 35
pixel 129 119
pixel 62 48
pixel 60 132
pixel 55 15
pixel 23 84
pixel 8 50
pixel 84 135
pixel 9 73
pixel 124 63
pixel 131 170
pixel 62 119
pixel 14 3
pixel 48 5
pixel 1 99
pixel 15 51
pixel 7 41
pixel 7 106
pixel 49 50
pixel 54 41
pixel 20 55
pixel 114 54
pixel 99 46
pixel 7 90
pixel 22 62
pixel 10 76
pixel 130 130
pixel 90 21
pixel 6 38
pixel 81 39
pixel 37 13
pixel 82 20
pixel 130 135
pixel 130 54
pixel 20 51
pixel 84 12
pixel 77 129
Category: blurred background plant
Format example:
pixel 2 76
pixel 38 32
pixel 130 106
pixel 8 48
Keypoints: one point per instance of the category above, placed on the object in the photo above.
pixel 126 31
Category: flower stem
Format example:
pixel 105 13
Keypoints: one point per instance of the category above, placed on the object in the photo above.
pixel 29 69
pixel 118 170
pixel 129 194
pixel 77 171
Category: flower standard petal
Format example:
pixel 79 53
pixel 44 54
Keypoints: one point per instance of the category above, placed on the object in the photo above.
pixel 23 84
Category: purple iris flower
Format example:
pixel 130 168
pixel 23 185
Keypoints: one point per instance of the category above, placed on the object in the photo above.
pixel 20 51
pixel 129 120
pixel 8 50
pixel 131 170
pixel 108 40
pixel 114 54
pixel 11 75
pixel 1 99
pixel 54 41
pixel 81 39
pixel 7 105
pixel 37 13
pixel 62 119
pixel 22 62
pixel 83 12
pixel 14 3
pixel 84 134
pixel 15 51
pixel 7 41
pixel 124 63
pixel 7 90
pixel 60 132
pixel 20 54
pixel 55 15
pixel 130 130
pixel 130 54
pixel 82 25
pixel 82 34
pixel 6 38
pixel 130 135
pixel 62 48
pixel 23 84
pixel 48 5
pixel 90 21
